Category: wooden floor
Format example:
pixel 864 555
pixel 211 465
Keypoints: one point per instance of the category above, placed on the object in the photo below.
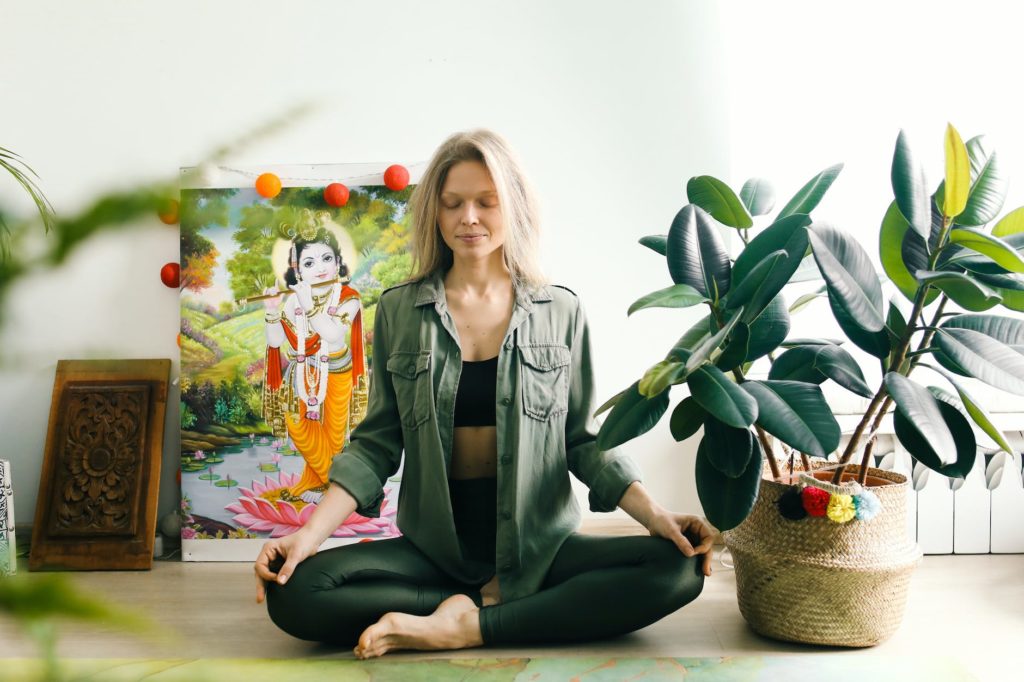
pixel 967 607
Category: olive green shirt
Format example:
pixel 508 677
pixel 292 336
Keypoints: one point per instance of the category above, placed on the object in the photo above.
pixel 545 429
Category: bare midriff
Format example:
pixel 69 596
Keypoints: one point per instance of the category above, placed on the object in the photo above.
pixel 474 452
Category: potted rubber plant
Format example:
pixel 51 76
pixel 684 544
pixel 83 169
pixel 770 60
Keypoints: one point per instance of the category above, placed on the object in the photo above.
pixel 820 546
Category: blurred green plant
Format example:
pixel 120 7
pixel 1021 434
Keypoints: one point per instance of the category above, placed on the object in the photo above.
pixel 120 209
pixel 36 602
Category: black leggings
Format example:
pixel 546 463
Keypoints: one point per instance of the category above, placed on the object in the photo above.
pixel 597 586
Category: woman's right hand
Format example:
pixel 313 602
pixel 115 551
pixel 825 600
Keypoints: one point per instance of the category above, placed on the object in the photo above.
pixel 291 549
pixel 272 304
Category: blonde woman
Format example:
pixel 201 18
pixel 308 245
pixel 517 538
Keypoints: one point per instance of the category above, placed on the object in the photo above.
pixel 483 377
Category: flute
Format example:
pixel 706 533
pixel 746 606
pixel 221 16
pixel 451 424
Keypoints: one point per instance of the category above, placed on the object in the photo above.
pixel 262 297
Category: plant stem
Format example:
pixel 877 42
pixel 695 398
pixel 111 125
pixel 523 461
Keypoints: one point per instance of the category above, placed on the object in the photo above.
pixel 882 399
pixel 762 437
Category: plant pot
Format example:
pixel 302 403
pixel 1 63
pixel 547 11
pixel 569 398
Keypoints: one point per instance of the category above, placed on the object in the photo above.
pixel 821 582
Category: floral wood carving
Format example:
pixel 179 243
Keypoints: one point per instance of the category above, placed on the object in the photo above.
pixel 97 501
pixel 101 446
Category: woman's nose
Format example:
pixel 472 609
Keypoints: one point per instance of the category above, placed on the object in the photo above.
pixel 469 216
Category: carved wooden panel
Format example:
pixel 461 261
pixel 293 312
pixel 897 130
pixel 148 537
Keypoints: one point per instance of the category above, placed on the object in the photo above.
pixel 98 490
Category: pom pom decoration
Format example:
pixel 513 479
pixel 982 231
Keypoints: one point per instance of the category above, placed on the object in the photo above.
pixel 170 275
pixel 268 185
pixel 840 508
pixel 396 177
pixel 168 212
pixel 791 504
pixel 815 501
pixel 336 194
pixel 868 505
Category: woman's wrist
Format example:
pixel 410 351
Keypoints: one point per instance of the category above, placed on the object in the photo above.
pixel 639 504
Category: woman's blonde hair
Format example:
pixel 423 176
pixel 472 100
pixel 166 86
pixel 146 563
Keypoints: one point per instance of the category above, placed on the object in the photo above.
pixel 515 197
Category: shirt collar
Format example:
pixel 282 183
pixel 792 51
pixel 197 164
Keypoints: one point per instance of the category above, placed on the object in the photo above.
pixel 431 290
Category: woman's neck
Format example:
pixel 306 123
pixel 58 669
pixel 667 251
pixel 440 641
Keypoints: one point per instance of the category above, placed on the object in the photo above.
pixel 479 278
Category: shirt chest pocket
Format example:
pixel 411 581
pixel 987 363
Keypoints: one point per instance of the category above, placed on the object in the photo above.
pixel 544 380
pixel 411 380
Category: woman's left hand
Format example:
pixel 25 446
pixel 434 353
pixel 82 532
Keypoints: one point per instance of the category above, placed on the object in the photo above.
pixel 691 534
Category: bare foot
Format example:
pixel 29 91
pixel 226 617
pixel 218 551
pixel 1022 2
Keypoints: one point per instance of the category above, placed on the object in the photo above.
pixel 454 625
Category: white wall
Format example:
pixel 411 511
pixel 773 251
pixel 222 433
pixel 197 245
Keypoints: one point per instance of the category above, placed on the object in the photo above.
pixel 612 105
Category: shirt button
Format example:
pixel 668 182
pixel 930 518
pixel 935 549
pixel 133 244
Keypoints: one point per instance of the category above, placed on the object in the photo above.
pixel 412 367
pixel 506 400
pixel 506 515
pixel 506 459
pixel 508 345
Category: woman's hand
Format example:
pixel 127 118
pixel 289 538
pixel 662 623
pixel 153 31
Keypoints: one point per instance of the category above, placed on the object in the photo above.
pixel 291 549
pixel 272 304
pixel 304 293
pixel 691 534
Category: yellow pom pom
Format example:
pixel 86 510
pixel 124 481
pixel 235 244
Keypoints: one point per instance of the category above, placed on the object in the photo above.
pixel 841 508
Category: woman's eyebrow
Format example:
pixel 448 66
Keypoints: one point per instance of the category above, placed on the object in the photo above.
pixel 477 194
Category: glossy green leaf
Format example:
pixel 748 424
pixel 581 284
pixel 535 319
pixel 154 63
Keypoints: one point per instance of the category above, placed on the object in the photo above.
pixel 702 352
pixel 974 409
pixel 876 343
pixel 1011 223
pixel 661 376
pixel 841 367
pixel 656 243
pixel 958 174
pixel 726 501
pixel 910 188
pixel 924 450
pixel 796 413
pixel 849 275
pixel 1001 283
pixel 721 397
pixel 797 364
pixel 1005 330
pixel 1014 300
pixel 693 337
pixel 687 417
pixel 804 301
pixel 735 352
pixel 789 234
pixel 988 192
pixel 759 286
pixel 632 415
pixel 729 449
pixel 610 403
pixel 696 253
pixel 769 329
pixel 758 196
pixel 811 194
pixel 965 291
pixel 800 341
pixel 983 357
pixel 890 249
pixel 718 199
pixel 675 296
pixel 921 410
pixel 895 322
pixel 998 250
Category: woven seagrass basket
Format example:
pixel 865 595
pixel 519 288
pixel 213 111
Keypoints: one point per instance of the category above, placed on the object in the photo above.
pixel 820 582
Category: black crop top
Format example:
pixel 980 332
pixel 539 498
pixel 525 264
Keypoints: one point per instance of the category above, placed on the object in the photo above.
pixel 475 396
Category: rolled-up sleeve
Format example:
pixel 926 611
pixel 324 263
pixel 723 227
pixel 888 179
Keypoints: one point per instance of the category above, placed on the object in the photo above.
pixel 374 451
pixel 606 472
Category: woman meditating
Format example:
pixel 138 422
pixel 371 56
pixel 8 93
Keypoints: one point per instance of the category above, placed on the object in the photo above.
pixel 483 377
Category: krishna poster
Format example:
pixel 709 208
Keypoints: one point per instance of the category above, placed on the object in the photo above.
pixel 278 297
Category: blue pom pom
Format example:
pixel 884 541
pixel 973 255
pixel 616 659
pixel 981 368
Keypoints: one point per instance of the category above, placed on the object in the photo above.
pixel 868 505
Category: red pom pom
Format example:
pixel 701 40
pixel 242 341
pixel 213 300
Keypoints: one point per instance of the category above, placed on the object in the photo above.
pixel 336 194
pixel 170 275
pixel 168 212
pixel 396 177
pixel 815 501
pixel 268 185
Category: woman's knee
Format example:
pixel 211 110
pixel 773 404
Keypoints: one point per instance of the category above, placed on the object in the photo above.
pixel 681 577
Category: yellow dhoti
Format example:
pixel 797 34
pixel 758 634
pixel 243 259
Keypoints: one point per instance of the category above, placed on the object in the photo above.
pixel 319 441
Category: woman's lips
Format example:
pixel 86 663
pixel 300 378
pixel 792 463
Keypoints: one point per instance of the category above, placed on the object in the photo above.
pixel 470 238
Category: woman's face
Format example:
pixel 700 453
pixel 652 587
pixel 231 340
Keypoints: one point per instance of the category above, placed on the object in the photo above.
pixel 468 213
pixel 317 263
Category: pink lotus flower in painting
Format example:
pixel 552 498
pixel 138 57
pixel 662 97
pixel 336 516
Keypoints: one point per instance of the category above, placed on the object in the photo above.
pixel 199 455
pixel 188 533
pixel 256 513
